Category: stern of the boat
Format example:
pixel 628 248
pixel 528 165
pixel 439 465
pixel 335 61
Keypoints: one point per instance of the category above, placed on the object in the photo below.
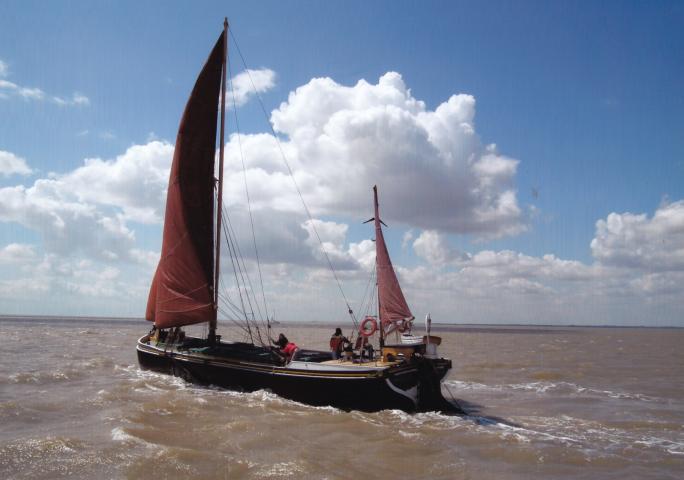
pixel 431 372
pixel 419 378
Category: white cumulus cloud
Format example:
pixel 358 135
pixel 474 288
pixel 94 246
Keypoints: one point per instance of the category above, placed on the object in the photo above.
pixel 636 241
pixel 636 276
pixel 431 168
pixel 135 181
pixel 434 175
pixel 433 247
pixel 328 238
pixel 87 210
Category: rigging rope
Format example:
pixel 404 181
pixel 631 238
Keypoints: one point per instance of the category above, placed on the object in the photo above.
pixel 243 273
pixel 249 203
pixel 230 234
pixel 367 307
pixel 226 299
pixel 294 181
pixel 237 283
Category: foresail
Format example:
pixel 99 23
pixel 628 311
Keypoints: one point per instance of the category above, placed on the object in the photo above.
pixel 393 305
pixel 181 291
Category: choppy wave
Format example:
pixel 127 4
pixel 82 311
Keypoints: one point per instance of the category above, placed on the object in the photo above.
pixel 592 439
pixel 52 457
pixel 73 411
pixel 563 431
pixel 60 372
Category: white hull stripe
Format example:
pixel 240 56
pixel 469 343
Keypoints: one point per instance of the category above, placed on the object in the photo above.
pixel 411 393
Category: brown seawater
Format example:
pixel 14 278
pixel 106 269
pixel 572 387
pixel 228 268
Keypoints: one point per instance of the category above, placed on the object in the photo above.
pixel 543 402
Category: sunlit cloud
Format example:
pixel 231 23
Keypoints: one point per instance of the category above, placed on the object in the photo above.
pixel 249 82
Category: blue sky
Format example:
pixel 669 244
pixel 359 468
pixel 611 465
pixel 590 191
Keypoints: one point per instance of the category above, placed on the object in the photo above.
pixel 585 96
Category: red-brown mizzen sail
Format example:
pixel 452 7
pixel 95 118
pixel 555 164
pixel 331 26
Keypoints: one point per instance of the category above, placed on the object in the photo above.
pixel 393 305
pixel 182 288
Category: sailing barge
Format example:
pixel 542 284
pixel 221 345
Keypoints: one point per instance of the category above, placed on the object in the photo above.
pixel 406 375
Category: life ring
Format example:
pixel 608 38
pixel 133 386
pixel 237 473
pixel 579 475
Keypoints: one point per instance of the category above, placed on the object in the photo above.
pixel 367 332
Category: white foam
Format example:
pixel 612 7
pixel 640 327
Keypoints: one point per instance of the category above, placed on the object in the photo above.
pixel 282 469
pixel 551 387
pixel 527 434
pixel 120 435
pixel 675 448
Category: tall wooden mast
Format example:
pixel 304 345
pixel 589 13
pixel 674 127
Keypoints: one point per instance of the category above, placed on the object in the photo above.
pixel 219 196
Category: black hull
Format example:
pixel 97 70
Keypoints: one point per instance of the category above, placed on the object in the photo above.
pixel 412 386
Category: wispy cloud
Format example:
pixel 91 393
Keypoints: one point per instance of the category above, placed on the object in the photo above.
pixel 28 93
pixel 76 99
pixel 11 89
pixel 103 134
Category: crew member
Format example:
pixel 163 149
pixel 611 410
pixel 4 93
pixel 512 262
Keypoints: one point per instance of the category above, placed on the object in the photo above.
pixel 337 342
pixel 287 348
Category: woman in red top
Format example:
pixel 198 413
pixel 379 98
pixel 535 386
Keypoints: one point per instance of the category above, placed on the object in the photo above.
pixel 287 348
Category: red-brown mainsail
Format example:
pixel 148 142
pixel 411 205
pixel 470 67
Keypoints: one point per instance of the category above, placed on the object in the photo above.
pixel 182 289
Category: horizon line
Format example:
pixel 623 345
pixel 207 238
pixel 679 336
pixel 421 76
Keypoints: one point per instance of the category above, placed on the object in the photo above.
pixel 4 316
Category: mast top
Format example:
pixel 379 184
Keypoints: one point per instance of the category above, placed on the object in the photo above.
pixel 225 23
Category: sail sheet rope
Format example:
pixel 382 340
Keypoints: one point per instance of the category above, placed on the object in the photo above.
pixel 294 181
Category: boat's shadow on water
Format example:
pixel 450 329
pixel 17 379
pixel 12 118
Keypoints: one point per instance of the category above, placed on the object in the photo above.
pixel 474 413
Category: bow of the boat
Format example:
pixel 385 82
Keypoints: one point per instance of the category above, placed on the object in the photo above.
pixel 152 358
